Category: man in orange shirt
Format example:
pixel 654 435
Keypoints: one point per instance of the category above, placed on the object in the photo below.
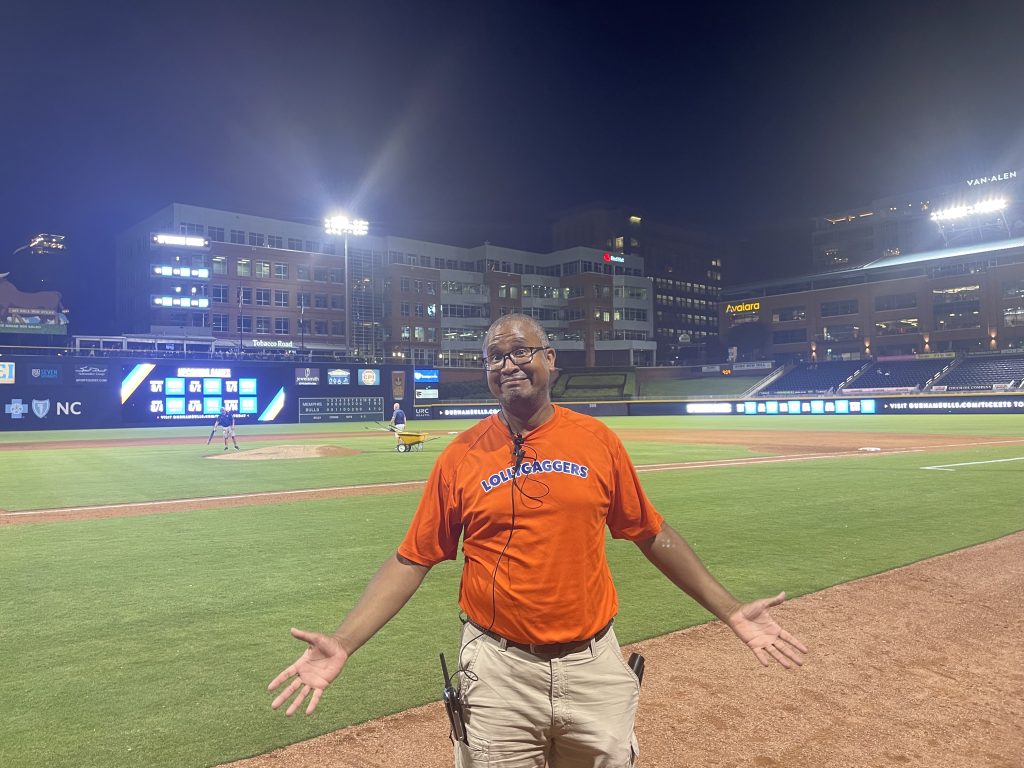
pixel 529 491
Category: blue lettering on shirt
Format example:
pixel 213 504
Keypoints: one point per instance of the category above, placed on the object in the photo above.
pixel 535 468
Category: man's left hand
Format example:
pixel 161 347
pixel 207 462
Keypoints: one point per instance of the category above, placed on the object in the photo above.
pixel 754 625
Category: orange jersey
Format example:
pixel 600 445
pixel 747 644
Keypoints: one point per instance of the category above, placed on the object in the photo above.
pixel 553 583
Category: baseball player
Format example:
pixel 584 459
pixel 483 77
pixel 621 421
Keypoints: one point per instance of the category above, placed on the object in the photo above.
pixel 226 422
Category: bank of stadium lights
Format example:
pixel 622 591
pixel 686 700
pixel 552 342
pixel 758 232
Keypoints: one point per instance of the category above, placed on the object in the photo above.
pixel 963 211
pixel 343 225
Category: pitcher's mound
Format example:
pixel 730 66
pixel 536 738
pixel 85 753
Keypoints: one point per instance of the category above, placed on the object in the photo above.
pixel 285 452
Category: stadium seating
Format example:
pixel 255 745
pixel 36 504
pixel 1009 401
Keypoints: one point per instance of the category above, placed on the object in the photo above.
pixel 981 373
pixel 813 378
pixel 899 374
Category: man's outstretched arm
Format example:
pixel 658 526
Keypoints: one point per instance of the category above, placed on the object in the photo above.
pixel 322 661
pixel 751 622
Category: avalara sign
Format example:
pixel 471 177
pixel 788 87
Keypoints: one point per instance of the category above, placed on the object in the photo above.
pixel 732 309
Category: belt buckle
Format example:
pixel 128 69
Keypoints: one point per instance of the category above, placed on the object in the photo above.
pixel 541 649
pixel 555 649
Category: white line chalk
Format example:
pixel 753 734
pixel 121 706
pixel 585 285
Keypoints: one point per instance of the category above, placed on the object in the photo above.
pixel 949 467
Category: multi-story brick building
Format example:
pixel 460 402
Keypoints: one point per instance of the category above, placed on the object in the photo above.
pixel 261 283
pixel 964 299
pixel 942 273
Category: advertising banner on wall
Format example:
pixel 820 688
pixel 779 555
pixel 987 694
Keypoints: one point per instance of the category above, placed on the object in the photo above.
pixel 56 406
pixel 26 312
pixel 70 393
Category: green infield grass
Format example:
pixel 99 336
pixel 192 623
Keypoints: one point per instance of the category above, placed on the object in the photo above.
pixel 150 640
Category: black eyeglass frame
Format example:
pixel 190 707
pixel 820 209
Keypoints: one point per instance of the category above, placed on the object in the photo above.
pixel 491 366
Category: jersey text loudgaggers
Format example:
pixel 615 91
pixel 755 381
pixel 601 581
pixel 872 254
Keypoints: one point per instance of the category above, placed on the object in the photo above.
pixel 534 468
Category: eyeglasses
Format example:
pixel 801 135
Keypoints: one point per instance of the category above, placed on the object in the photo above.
pixel 496 360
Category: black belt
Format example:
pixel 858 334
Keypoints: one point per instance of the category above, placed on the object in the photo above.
pixel 546 649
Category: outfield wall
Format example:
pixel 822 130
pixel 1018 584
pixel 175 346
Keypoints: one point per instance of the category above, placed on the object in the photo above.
pixel 93 393
pixel 809 406
pixel 105 392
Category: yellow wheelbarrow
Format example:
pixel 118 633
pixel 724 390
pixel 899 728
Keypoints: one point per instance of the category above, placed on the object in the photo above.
pixel 410 441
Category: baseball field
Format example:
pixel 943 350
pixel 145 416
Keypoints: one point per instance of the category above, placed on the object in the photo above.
pixel 148 581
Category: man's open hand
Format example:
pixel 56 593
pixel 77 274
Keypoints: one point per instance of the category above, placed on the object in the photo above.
pixel 754 625
pixel 313 671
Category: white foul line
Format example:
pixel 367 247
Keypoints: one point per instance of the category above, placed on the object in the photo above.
pixel 946 467
pixel 283 495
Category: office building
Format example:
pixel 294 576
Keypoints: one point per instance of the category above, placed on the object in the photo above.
pixel 942 273
pixel 686 267
pixel 237 281
pixel 965 299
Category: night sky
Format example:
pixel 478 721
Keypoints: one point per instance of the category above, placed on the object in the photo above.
pixel 465 122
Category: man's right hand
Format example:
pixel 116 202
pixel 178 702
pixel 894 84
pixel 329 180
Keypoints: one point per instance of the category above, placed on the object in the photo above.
pixel 313 671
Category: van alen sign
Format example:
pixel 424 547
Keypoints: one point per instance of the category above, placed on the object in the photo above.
pixel 1004 176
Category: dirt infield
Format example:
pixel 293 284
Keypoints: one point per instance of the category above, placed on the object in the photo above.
pixel 916 667
pixel 919 666
pixel 275 452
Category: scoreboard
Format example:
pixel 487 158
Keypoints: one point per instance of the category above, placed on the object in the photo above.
pixel 313 409
pixel 177 395
pixel 152 393
pixel 168 392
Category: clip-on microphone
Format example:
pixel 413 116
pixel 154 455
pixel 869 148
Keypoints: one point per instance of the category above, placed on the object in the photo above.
pixel 517 451
pixel 517 443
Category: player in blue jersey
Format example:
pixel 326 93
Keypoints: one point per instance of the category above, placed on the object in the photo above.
pixel 226 422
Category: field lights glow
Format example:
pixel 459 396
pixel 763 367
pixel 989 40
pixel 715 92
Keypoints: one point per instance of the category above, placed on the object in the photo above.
pixel 963 211
pixel 341 225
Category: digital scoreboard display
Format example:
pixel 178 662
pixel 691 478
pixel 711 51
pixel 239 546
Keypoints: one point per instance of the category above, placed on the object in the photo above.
pixel 313 409
pixel 170 392
pixel 156 394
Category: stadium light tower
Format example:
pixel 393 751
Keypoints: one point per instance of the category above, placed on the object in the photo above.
pixel 340 224
pixel 960 220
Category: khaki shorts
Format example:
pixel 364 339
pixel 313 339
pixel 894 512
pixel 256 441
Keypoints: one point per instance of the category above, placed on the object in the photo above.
pixel 529 711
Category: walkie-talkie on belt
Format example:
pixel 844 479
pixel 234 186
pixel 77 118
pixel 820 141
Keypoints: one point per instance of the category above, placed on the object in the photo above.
pixel 453 705
pixel 636 663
